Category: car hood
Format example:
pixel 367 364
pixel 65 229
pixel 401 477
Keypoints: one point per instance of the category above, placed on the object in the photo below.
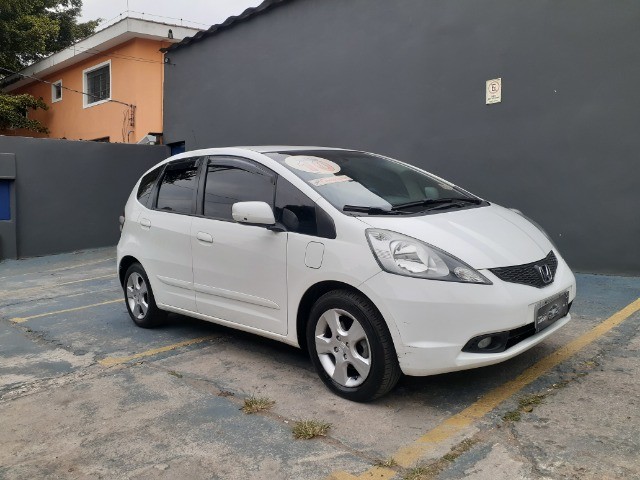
pixel 484 237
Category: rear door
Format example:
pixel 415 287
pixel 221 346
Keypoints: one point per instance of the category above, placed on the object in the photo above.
pixel 166 234
pixel 240 271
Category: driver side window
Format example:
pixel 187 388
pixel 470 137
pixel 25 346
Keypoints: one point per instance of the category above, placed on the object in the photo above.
pixel 234 180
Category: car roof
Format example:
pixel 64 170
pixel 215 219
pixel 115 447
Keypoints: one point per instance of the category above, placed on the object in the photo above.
pixel 284 148
pixel 256 149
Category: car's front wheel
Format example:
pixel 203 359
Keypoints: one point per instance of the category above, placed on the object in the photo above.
pixel 139 298
pixel 351 347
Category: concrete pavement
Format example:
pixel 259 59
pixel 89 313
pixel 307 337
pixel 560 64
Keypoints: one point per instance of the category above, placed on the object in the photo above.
pixel 86 394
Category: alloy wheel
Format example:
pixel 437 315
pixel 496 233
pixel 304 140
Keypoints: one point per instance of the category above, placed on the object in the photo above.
pixel 343 348
pixel 137 295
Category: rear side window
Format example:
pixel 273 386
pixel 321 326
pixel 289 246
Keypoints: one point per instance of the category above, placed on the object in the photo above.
pixel 298 213
pixel 146 185
pixel 229 183
pixel 178 187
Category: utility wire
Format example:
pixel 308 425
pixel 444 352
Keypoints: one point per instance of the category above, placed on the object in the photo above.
pixel 130 105
pixel 104 22
pixel 121 56
pixel 95 51
pixel 170 18
pixel 123 15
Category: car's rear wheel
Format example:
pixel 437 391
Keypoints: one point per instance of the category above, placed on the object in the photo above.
pixel 139 298
pixel 351 347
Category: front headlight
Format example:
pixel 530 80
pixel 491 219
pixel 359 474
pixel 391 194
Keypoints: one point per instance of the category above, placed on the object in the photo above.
pixel 407 256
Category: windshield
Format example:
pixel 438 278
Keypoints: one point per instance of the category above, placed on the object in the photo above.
pixel 365 183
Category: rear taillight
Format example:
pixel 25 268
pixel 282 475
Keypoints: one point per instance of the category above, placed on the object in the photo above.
pixel 121 219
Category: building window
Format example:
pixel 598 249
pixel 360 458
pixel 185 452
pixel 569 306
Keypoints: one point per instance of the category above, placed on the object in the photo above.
pixel 56 91
pixel 97 84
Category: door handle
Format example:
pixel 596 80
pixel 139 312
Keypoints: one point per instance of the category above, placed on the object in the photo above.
pixel 145 223
pixel 204 237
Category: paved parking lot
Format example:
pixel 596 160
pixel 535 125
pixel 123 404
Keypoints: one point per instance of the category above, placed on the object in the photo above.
pixel 86 394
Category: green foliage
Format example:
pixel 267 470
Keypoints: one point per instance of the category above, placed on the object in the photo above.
pixel 29 31
pixel 257 404
pixel 33 29
pixel 308 429
pixel 13 112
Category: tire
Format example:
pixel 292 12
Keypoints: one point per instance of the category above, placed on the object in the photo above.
pixel 351 347
pixel 138 297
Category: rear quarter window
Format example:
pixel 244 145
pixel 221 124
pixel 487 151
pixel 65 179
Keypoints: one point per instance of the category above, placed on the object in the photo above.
pixel 176 193
pixel 146 185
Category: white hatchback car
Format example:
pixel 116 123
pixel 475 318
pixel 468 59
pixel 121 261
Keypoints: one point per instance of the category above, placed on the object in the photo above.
pixel 375 266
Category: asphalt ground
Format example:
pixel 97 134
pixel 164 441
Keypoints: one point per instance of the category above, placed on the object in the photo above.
pixel 84 393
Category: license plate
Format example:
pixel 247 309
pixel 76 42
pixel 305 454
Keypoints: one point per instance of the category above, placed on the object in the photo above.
pixel 550 310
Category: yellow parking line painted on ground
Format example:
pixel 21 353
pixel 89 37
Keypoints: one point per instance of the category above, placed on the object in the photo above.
pixel 24 319
pixel 373 473
pixel 111 361
pixel 59 269
pixel 110 275
pixel 79 294
pixel 408 455
pixel 42 287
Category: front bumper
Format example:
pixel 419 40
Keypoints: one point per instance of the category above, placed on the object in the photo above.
pixel 431 321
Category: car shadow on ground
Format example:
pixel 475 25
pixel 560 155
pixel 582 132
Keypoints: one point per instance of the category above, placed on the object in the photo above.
pixel 452 391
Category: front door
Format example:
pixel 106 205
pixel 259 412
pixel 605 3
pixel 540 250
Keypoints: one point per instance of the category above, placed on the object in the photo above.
pixel 239 271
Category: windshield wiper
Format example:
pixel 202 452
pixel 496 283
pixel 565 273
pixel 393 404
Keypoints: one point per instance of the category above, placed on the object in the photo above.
pixel 369 210
pixel 437 201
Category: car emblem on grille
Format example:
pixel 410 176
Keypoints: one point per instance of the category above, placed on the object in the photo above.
pixel 545 273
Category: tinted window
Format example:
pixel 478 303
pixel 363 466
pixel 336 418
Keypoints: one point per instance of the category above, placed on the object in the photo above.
pixel 298 213
pixel 294 209
pixel 228 184
pixel 146 185
pixel 178 187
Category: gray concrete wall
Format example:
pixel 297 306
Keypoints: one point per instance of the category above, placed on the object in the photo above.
pixel 407 79
pixel 68 194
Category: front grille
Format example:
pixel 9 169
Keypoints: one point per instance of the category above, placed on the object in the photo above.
pixel 528 274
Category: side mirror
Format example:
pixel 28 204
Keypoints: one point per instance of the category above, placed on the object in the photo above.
pixel 253 213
